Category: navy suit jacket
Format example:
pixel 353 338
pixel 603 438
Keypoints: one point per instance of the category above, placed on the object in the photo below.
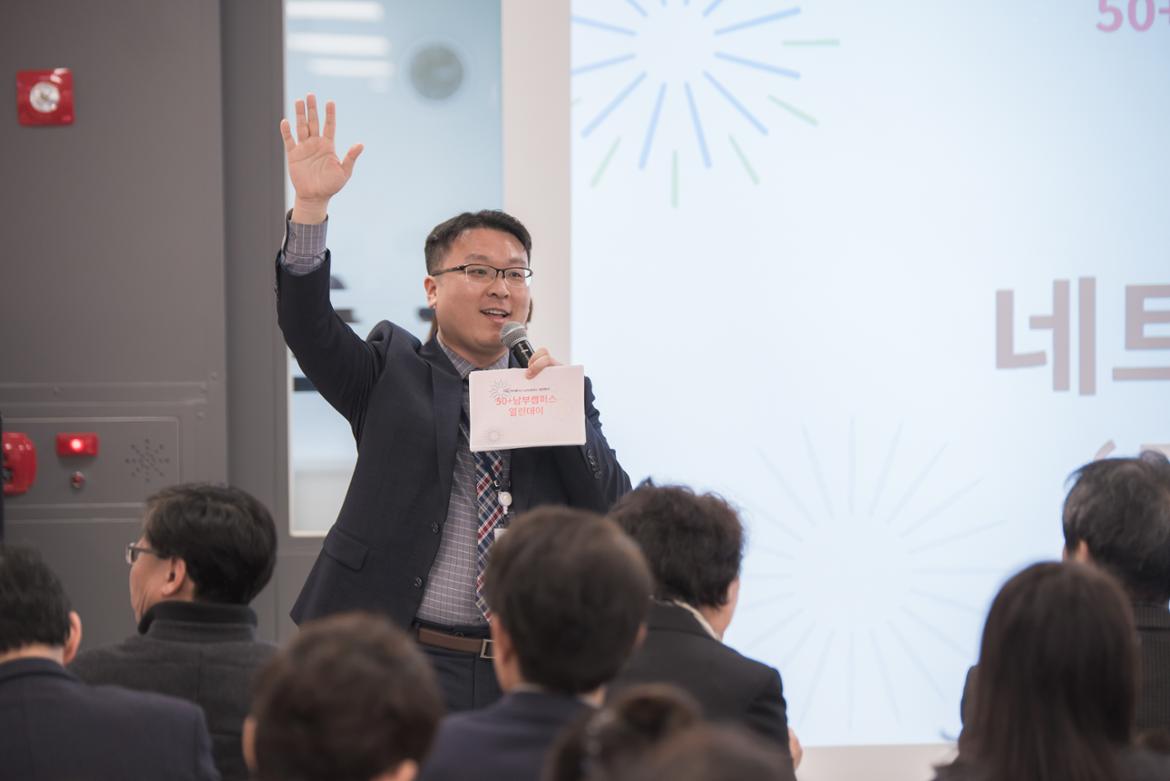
pixel 403 400
pixel 53 727
pixel 729 686
pixel 507 741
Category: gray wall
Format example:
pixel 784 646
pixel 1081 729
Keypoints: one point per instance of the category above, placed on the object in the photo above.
pixel 137 286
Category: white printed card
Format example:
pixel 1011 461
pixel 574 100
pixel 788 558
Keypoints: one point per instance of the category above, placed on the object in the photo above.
pixel 509 411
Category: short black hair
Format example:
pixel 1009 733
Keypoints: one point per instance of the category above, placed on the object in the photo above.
pixel 443 235
pixel 350 698
pixel 572 591
pixel 33 607
pixel 1120 508
pixel 693 542
pixel 715 753
pixel 226 537
pixel 602 743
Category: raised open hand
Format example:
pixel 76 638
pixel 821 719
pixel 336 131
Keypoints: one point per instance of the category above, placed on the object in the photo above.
pixel 313 166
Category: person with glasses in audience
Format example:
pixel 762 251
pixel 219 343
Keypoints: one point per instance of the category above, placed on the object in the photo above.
pixel 413 535
pixel 1057 687
pixel 205 552
pixel 53 726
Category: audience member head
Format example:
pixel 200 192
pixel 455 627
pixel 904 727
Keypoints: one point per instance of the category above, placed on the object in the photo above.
pixel 568 592
pixel 693 543
pixel 201 542
pixel 603 743
pixel 35 619
pixel 713 753
pixel 1117 516
pixel 1056 688
pixel 350 699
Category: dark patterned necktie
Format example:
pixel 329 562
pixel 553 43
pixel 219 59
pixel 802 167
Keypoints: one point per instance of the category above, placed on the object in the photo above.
pixel 489 466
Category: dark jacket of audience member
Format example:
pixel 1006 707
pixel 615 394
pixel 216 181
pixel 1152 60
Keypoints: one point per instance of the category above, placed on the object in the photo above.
pixel 694 545
pixel 198 644
pixel 351 698
pixel 1056 690
pixel 604 744
pixel 53 726
pixel 568 592
pixel 1117 517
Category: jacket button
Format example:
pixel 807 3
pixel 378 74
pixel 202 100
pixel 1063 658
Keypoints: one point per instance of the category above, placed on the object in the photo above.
pixel 418 582
pixel 435 528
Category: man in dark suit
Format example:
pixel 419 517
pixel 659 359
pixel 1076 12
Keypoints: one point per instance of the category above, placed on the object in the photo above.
pixel 205 552
pixel 53 726
pixel 694 545
pixel 412 535
pixel 568 593
pixel 1117 517
pixel 351 697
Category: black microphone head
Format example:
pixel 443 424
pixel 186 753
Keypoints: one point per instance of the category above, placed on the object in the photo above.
pixel 512 334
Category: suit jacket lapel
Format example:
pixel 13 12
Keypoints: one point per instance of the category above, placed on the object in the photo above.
pixel 447 395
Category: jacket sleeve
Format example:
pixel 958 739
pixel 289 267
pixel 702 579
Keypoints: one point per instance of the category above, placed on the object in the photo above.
pixel 342 367
pixel 767 714
pixel 592 476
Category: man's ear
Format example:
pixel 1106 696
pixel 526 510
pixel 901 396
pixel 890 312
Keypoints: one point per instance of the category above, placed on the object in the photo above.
pixel 501 641
pixel 177 580
pixel 73 640
pixel 406 771
pixel 248 743
pixel 1078 553
pixel 640 637
pixel 430 287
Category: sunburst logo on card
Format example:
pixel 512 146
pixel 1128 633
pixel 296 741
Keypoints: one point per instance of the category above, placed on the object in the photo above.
pixel 661 86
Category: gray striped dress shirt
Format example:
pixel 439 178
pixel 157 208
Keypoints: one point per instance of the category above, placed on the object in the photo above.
pixel 449 597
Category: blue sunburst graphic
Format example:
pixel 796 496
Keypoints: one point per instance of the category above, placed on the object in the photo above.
pixel 689 83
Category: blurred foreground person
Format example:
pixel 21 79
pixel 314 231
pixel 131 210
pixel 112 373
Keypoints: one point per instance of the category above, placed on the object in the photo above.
pixel 351 698
pixel 607 742
pixel 1056 690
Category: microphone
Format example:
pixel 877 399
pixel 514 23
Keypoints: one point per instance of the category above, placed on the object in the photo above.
pixel 515 338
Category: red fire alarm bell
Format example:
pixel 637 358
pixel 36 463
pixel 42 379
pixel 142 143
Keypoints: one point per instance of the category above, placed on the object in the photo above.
pixel 73 444
pixel 45 97
pixel 19 463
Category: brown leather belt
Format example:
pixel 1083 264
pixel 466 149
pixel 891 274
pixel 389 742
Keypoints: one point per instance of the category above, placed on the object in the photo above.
pixel 468 645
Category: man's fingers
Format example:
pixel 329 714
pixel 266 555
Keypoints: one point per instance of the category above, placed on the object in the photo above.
pixel 350 158
pixel 302 122
pixel 330 120
pixel 314 124
pixel 540 360
pixel 286 134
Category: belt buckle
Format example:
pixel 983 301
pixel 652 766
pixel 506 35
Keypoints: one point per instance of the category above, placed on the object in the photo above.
pixel 485 649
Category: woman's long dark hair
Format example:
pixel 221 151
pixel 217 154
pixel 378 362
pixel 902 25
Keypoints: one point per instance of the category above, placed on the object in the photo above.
pixel 1055 691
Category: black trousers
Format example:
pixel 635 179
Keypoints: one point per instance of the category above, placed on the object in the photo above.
pixel 466 680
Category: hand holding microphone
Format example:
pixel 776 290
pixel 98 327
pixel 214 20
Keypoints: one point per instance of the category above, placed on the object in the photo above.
pixel 515 338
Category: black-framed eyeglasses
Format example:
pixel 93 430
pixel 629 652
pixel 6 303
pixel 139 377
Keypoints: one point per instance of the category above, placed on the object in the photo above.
pixel 134 550
pixel 482 274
